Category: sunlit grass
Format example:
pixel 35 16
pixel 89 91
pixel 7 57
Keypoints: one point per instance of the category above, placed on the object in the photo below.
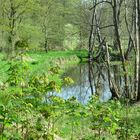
pixel 41 62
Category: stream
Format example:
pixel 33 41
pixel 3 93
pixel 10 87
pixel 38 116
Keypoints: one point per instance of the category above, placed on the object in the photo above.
pixel 81 87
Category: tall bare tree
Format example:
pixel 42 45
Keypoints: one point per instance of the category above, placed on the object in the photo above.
pixel 137 43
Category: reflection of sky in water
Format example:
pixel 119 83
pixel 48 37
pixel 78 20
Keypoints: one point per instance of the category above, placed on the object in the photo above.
pixel 81 89
pixel 106 92
pixel 82 94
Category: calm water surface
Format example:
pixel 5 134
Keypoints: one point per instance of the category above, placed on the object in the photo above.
pixel 81 87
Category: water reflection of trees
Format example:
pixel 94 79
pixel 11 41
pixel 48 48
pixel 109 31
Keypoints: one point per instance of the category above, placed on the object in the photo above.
pixel 103 78
pixel 94 78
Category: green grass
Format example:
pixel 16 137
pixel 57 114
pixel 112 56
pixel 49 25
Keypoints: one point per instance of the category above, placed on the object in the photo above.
pixel 42 61
pixel 3 68
pixel 82 129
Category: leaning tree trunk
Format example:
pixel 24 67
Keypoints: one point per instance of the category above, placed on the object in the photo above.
pixel 90 78
pixel 129 30
pixel 91 38
pixel 112 86
pixel 116 12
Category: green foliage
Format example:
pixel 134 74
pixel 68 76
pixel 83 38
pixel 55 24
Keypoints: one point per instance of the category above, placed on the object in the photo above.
pixel 36 113
pixel 45 112
pixel 28 108
pixel 106 116
pixel 22 44
pixel 31 101
pixel 18 71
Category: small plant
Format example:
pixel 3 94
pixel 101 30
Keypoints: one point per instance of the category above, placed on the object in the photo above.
pixel 104 117
pixel 18 71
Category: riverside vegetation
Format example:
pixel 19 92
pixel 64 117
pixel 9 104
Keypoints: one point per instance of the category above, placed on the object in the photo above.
pixel 88 47
pixel 27 112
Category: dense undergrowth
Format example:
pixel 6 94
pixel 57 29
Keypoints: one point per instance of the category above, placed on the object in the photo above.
pixel 29 112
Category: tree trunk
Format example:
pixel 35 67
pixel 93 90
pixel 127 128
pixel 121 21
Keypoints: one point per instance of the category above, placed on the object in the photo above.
pixel 116 12
pixel 46 45
pixel 11 46
pixel 137 59
pixel 112 86
pixel 91 38
pixel 90 76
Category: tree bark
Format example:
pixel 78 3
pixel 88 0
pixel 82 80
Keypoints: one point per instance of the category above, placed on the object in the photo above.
pixel 46 45
pixel 137 43
pixel 91 38
pixel 112 86
pixel 116 13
